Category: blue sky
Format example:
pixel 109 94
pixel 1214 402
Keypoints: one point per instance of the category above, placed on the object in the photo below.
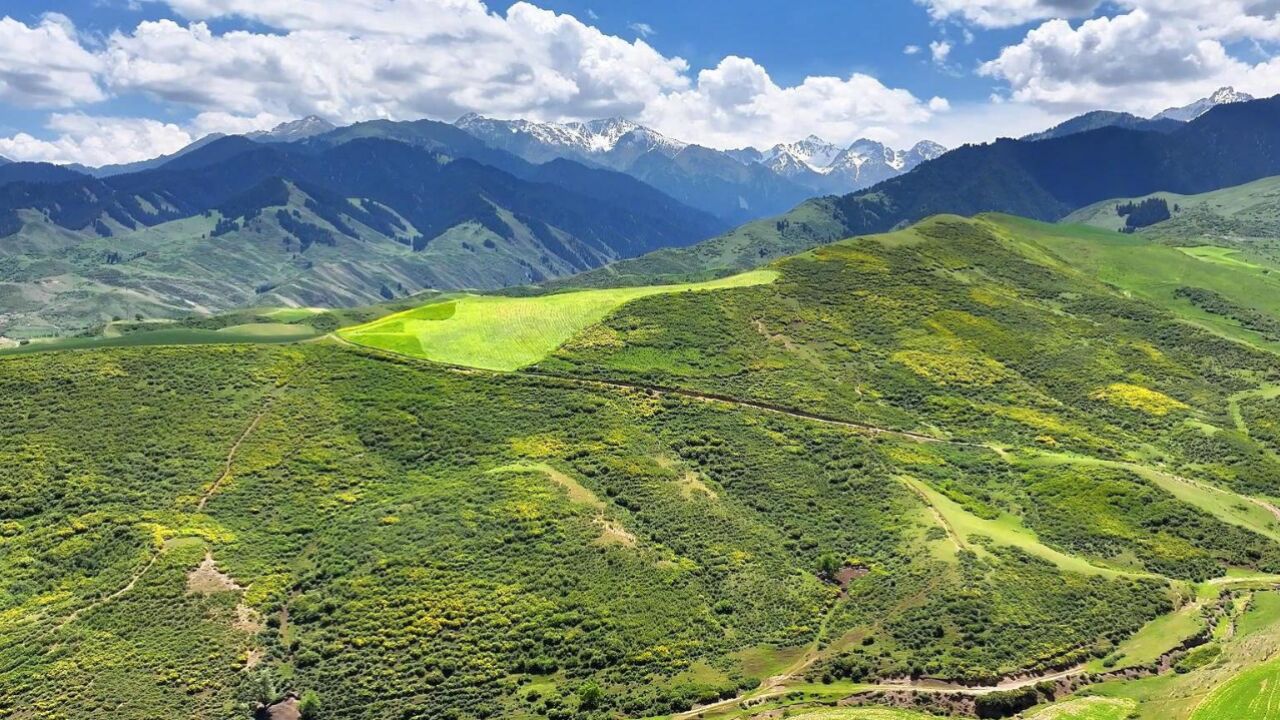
pixel 113 80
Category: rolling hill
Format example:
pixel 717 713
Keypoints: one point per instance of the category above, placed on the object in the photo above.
pixel 950 468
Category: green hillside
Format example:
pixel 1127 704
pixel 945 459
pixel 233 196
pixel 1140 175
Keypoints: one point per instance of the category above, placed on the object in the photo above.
pixel 506 333
pixel 1241 216
pixel 928 468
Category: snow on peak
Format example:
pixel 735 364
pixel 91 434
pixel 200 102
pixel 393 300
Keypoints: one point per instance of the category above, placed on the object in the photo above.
pixel 812 152
pixel 293 130
pixel 594 137
pixel 1187 113
pixel 1224 95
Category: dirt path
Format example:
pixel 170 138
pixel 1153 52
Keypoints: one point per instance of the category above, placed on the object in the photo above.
pixel 231 454
pixel 708 397
pixel 133 580
pixel 937 515
pixel 155 555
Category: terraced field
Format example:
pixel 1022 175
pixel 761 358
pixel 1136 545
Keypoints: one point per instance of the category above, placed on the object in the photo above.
pixel 505 333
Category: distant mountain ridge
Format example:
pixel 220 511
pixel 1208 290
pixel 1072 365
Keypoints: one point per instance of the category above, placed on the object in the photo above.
pixel 703 177
pixel 1165 121
pixel 347 216
pixel 1231 144
pixel 1104 118
pixel 1187 113
pixel 828 168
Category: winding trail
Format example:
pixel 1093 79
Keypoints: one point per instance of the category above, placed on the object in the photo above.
pixel 707 397
pixel 778 685
pixel 204 498
pixel 235 447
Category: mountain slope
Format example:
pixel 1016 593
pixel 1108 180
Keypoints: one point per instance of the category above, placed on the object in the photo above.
pixel 1194 110
pixel 239 222
pixel 1045 180
pixel 1104 118
pixel 944 454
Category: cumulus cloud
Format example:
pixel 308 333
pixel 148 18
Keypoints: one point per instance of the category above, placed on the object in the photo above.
pixel 531 62
pixel 939 50
pixel 1007 13
pixel 44 65
pixel 1142 60
pixel 97 140
pixel 367 59
pixel 737 103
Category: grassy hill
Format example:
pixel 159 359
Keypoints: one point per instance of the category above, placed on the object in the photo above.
pixel 1244 217
pixel 954 453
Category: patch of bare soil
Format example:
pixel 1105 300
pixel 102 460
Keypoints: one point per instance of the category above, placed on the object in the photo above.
pixel 248 620
pixel 284 709
pixel 252 658
pixel 612 532
pixel 207 579
pixel 848 574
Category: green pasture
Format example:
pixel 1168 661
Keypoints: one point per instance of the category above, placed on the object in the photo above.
pixel 505 333
pixel 1005 530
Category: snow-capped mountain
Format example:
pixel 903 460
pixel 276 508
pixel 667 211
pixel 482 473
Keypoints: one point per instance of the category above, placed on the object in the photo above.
pixel 294 130
pixel 828 168
pixel 593 141
pixel 735 185
pixel 1187 113
pixel 812 152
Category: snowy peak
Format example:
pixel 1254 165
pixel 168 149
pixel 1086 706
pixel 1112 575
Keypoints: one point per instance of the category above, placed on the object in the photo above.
pixel 812 152
pixel 1187 113
pixel 595 137
pixel 295 130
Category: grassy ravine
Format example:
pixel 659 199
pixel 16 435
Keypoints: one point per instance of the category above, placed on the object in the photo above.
pixel 405 539
pixel 505 333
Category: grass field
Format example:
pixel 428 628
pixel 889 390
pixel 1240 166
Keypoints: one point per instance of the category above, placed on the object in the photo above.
pixel 1253 694
pixel 1005 530
pixel 246 333
pixel 1153 271
pixel 507 333
pixel 1154 639
pixel 1086 708
pixel 1221 255
pixel 1225 505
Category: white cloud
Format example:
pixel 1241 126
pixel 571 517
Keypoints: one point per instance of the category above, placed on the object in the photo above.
pixel 1007 13
pixel 1142 60
pixel 736 103
pixel 365 59
pixel 44 65
pixel 911 50
pixel 97 140
pixel 642 29
pixel 939 50
pixel 532 62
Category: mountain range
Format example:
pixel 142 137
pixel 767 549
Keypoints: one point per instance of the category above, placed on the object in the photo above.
pixel 1230 144
pixel 352 216
pixel 1165 121
pixel 736 185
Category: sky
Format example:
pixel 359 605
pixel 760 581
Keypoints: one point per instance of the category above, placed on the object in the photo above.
pixel 109 81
